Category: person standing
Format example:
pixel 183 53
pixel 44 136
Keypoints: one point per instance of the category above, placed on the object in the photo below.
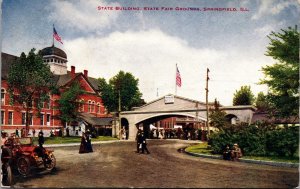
pixel 33 132
pixel 41 138
pixel 139 140
pixel 144 144
pixel 89 147
pixel 82 148
pixel 17 133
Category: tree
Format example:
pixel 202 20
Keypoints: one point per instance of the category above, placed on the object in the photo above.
pixel 29 80
pixel 261 103
pixel 217 116
pixel 68 103
pixel 243 97
pixel 282 77
pixel 123 86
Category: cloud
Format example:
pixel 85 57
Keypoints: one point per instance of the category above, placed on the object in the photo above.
pixel 82 15
pixel 152 55
pixel 271 7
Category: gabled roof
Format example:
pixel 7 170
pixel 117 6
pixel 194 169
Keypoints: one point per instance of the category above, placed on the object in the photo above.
pixel 175 96
pixel 6 62
pixel 96 121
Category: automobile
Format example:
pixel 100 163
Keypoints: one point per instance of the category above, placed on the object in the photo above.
pixel 22 155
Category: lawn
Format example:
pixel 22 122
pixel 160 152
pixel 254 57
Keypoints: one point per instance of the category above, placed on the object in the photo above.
pixel 202 148
pixel 72 139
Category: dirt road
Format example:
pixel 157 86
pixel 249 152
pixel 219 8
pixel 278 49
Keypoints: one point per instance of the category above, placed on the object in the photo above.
pixel 117 165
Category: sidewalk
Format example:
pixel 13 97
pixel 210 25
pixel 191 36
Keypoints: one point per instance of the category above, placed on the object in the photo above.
pixel 272 163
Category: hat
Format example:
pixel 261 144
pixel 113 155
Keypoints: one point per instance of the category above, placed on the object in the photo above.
pixel 235 144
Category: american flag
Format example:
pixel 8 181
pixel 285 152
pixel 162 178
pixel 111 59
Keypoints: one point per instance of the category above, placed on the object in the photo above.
pixel 178 77
pixel 56 36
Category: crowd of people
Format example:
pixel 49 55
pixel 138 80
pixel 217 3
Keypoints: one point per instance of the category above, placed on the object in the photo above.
pixel 233 153
pixel 179 133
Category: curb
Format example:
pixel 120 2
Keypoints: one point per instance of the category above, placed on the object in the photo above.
pixel 78 144
pixel 272 163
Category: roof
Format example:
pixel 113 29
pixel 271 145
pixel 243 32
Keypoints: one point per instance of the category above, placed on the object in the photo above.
pixel 6 61
pixel 96 121
pixel 53 51
pixel 59 80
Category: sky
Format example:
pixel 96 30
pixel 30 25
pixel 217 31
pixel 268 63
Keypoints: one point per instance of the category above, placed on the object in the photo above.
pixel 150 41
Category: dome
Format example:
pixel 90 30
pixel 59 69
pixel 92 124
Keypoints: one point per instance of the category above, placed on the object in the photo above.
pixel 53 51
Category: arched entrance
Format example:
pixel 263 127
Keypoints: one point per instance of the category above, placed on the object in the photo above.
pixel 171 126
pixel 125 124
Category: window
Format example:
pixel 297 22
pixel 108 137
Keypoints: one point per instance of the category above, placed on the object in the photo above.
pixel 98 108
pixel 10 118
pixel 2 117
pixel 23 118
pixel 89 106
pixel 80 105
pixel 93 106
pixel 2 96
pixel 48 119
pixel 30 119
pixel 42 119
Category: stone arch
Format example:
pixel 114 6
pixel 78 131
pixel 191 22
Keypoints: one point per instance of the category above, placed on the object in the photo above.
pixel 232 118
pixel 125 123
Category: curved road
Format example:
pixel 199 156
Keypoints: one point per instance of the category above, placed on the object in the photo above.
pixel 117 165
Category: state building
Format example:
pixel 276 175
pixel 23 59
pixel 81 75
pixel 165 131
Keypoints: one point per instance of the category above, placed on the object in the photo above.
pixel 92 113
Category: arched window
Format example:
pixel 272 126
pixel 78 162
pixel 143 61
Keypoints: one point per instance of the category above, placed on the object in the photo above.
pixel 98 108
pixel 3 96
pixel 89 106
pixel 93 106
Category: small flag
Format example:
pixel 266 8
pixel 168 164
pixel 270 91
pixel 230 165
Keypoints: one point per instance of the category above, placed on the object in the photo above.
pixel 56 36
pixel 178 77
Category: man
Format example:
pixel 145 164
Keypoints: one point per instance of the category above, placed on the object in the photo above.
pixel 139 140
pixel 236 152
pixel 144 144
pixel 17 133
pixel 41 138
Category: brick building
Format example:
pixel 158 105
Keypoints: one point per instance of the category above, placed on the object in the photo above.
pixel 93 114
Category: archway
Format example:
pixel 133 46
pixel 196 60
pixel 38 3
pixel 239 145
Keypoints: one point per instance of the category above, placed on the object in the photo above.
pixel 171 126
pixel 125 124
pixel 232 119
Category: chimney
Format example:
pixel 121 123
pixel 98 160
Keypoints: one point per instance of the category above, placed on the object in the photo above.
pixel 72 71
pixel 85 72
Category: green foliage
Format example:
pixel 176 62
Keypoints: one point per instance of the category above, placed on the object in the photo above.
pixel 258 140
pixel 28 79
pixel 124 85
pixel 243 97
pixel 261 103
pixel 68 103
pixel 282 78
pixel 217 117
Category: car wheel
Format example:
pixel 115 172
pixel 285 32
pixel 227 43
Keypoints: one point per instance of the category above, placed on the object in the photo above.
pixel 23 165
pixel 50 161
pixel 7 176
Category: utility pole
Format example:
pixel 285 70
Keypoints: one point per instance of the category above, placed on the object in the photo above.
pixel 119 110
pixel 207 124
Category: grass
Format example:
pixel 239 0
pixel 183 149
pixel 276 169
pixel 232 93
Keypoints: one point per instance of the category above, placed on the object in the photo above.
pixel 203 148
pixel 71 139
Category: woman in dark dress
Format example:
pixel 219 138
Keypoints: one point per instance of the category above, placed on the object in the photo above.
pixel 82 148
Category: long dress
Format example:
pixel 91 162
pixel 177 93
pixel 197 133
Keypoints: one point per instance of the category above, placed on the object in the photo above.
pixel 82 148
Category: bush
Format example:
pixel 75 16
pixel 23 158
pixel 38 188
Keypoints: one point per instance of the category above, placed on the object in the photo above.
pixel 259 140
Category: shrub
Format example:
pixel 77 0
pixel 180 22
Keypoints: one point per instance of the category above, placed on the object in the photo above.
pixel 258 139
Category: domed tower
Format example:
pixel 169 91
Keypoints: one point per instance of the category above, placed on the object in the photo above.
pixel 56 58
